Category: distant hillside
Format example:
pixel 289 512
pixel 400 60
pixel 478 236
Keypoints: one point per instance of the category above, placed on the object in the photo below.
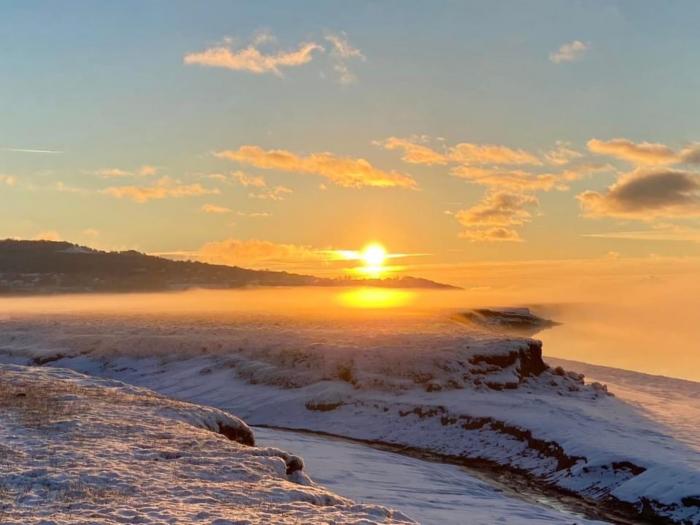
pixel 32 267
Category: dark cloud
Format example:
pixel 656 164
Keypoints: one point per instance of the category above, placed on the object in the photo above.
pixel 646 195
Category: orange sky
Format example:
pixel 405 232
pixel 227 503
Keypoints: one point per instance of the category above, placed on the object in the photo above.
pixel 274 136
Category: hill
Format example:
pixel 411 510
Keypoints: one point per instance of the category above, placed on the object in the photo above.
pixel 33 267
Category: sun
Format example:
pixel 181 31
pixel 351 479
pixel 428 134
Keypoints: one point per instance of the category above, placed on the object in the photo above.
pixel 370 261
pixel 374 255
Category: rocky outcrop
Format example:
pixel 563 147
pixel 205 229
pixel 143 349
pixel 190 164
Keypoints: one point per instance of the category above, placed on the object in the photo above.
pixel 240 433
pixel 515 320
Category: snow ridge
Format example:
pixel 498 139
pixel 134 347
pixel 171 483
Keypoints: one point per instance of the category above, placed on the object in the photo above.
pixel 81 450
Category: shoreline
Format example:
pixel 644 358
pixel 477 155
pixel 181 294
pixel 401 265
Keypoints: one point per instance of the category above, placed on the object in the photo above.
pixel 516 482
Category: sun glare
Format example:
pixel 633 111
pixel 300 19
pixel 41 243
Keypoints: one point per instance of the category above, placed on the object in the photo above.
pixel 374 255
pixel 369 262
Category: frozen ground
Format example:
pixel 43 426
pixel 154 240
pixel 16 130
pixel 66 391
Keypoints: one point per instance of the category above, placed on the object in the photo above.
pixel 82 450
pixel 429 492
pixel 423 382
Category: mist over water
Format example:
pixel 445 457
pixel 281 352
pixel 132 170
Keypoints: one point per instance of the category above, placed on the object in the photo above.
pixel 648 326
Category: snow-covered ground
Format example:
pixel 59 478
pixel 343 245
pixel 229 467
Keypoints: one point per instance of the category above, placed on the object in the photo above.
pixel 675 403
pixel 82 450
pixel 425 382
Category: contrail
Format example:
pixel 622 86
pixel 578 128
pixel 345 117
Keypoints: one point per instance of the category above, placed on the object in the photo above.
pixel 30 150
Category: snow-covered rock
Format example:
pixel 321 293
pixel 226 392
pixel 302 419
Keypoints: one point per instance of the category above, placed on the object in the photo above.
pixel 78 450
pixel 515 320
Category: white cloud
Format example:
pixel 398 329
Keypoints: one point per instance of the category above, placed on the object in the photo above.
pixel 570 52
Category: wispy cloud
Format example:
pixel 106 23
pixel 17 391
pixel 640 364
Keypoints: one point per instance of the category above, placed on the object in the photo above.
pixel 646 153
pixel 62 187
pixel 252 58
pixel 413 151
pixel 514 180
pixel 254 214
pixel 495 234
pixel 661 232
pixel 562 154
pixel 214 209
pixel 570 52
pixel 416 152
pixel 641 153
pixel 262 56
pixel 144 171
pixel 526 181
pixel 147 170
pixel 342 51
pixel 344 171
pixel 466 153
pixel 261 189
pixel 278 193
pixel 249 180
pixel 163 188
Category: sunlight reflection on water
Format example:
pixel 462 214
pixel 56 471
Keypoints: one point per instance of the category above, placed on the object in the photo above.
pixel 375 298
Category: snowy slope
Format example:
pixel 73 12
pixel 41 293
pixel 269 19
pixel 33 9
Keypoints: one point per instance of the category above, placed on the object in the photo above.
pixel 675 403
pixel 79 450
pixel 423 382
